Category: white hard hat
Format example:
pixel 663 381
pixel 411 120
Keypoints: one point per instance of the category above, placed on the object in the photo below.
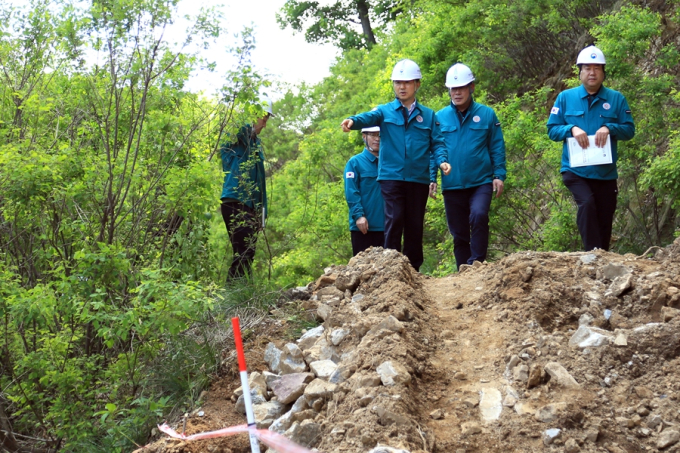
pixel 459 75
pixel 591 55
pixel 371 129
pixel 267 104
pixel 406 70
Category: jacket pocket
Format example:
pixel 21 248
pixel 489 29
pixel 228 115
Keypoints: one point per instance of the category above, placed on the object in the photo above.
pixel 574 113
pixel 448 128
pixel 609 116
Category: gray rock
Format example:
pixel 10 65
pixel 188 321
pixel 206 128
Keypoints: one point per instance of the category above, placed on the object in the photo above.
pixel 392 373
pixel 369 380
pixel 268 410
pixel 338 335
pixel 549 412
pixel 586 319
pixel 560 376
pixel 668 313
pixel 390 323
pixel 306 433
pixel 437 414
pixel 292 360
pixel 550 435
pixel 460 376
pixel 323 369
pixel 257 384
pixel 383 449
pixel 321 350
pixel 521 373
pixel 667 438
pixel 281 424
pixel 654 420
pixel 319 389
pixel 588 259
pixel 612 271
pixel 272 355
pixel 254 397
pixel 620 285
pixel 307 340
pixel 269 378
pixel 588 337
pixel 324 311
pixel 341 374
pixel 290 387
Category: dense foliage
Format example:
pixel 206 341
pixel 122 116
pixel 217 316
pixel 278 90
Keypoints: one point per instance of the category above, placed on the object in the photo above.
pixel 113 254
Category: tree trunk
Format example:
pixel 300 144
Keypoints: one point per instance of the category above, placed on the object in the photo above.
pixel 362 9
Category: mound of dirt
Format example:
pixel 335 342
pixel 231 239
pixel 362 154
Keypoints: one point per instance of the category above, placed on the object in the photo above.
pixel 536 352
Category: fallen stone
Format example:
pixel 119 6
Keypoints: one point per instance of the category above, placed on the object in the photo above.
pixel 292 360
pixel 392 373
pixel 470 428
pixel 390 323
pixel 592 435
pixel 321 350
pixel 255 398
pixel 471 401
pixel 524 408
pixel 306 433
pixel 388 418
pixel 536 375
pixel 620 285
pixel 612 271
pixel 509 401
pixel 437 414
pixel 338 335
pixel 301 416
pixel 624 422
pixel 621 339
pixel 560 376
pixel 521 373
pixel 550 435
pixel 383 449
pixel 586 319
pixel 319 389
pixel 588 259
pixel 460 376
pixel 257 384
pixel 324 311
pixel 668 313
pixel 588 337
pixel 549 412
pixel 643 392
pixel 307 340
pixel 654 420
pixel 290 387
pixel 269 378
pixel 348 281
pixel 490 404
pixel 323 369
pixel 571 446
pixel 268 410
pixel 341 374
pixel 667 438
pixel 272 355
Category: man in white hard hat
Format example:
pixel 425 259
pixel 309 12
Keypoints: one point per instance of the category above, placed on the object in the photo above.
pixel 244 192
pixel 410 139
pixel 591 111
pixel 476 152
pixel 362 192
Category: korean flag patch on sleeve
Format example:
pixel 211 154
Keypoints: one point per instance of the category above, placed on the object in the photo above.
pixel 554 111
pixel 349 175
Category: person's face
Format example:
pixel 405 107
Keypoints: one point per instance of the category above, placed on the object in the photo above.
pixel 405 90
pixel 592 76
pixel 260 124
pixel 373 141
pixel 462 96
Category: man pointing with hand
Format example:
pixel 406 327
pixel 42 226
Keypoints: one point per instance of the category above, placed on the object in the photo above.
pixel 409 139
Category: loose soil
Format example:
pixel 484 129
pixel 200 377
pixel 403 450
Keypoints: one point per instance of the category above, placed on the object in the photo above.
pixel 465 335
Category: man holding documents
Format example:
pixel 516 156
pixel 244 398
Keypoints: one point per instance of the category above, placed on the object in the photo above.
pixel 590 120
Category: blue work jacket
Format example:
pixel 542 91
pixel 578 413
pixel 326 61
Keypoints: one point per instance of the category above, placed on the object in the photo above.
pixel 243 166
pixel 609 108
pixel 362 192
pixel 407 149
pixel 476 147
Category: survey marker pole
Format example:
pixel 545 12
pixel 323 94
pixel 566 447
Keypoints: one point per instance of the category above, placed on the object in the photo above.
pixel 243 371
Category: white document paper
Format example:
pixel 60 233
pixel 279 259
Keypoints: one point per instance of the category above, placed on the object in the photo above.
pixel 579 157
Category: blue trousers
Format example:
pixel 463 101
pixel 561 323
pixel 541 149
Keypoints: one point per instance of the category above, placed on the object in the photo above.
pixel 596 201
pixel 467 214
pixel 405 204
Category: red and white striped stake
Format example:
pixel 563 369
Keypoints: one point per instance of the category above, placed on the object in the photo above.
pixel 243 371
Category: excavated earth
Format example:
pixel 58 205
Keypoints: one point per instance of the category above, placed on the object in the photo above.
pixel 536 352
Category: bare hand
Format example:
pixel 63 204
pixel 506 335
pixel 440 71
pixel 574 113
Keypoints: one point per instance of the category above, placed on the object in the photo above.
pixel 433 190
pixel 446 168
pixel 580 136
pixel 362 224
pixel 346 124
pixel 601 136
pixel 498 187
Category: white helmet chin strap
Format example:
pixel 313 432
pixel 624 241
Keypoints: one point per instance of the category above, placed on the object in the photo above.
pixel 368 147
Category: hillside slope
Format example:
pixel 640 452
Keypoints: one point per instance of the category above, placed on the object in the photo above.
pixel 539 351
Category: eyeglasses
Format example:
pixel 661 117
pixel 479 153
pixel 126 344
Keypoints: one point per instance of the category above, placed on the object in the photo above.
pixel 373 134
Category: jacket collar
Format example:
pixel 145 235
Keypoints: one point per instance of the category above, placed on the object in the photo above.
pixel 370 155
pixel 601 93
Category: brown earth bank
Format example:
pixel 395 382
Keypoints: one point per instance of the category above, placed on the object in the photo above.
pixel 536 352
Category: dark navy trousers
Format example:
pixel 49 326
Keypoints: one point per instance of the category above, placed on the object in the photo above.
pixel 467 214
pixel 361 241
pixel 596 201
pixel 405 204
pixel 242 227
